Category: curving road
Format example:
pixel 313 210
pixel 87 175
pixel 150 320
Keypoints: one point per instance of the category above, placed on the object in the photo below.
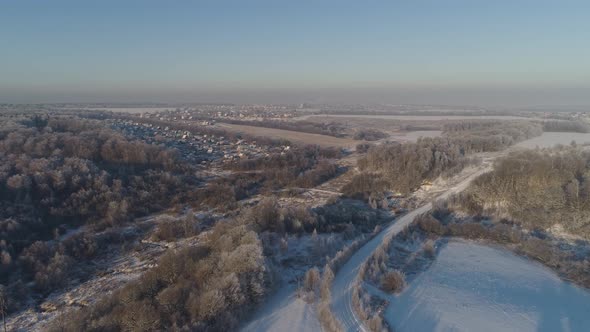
pixel 345 277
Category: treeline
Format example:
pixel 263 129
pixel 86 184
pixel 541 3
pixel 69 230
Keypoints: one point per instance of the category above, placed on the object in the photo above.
pixel 566 126
pixel 369 135
pixel 404 167
pixel 57 173
pixel 490 135
pixel 341 216
pixel 539 189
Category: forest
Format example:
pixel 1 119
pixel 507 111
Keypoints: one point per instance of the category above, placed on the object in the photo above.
pixel 212 286
pixel 207 287
pixel 565 126
pixel 69 185
pixel 536 188
pixel 403 167
pixel 57 173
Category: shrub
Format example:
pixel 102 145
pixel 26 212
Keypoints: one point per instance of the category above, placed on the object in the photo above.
pixel 430 224
pixel 393 281
pixel 170 229
pixel 468 230
pixel 429 249
pixel 537 249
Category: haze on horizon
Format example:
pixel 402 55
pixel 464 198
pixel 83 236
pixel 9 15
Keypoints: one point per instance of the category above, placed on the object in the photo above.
pixel 494 53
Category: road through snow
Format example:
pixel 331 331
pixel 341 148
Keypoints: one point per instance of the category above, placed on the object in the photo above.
pixel 345 278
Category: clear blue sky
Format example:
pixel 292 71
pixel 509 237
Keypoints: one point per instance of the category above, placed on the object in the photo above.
pixel 500 52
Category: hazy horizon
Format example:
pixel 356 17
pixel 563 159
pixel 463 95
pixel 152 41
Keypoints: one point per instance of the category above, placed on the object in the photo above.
pixel 499 54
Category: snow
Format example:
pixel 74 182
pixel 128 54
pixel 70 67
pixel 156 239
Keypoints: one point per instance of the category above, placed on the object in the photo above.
pixel 413 136
pixel 346 277
pixel 548 140
pixel 472 287
pixel 285 312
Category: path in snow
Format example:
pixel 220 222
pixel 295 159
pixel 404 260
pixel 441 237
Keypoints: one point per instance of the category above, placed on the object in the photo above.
pixel 471 287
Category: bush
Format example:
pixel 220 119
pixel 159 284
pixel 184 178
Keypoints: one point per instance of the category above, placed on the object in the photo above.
pixel 170 229
pixel 363 147
pixel 54 274
pixel 369 135
pixel 393 281
pixel 429 249
pixel 468 230
pixel 430 224
pixel 537 249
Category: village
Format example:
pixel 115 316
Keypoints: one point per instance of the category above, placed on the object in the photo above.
pixel 203 149
pixel 226 112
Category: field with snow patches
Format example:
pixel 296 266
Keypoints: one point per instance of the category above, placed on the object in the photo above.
pixel 472 287
pixel 294 136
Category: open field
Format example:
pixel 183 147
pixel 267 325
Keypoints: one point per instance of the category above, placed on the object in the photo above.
pixel 417 117
pixel 548 140
pixel 471 287
pixel 132 110
pixel 293 136
pixel 413 136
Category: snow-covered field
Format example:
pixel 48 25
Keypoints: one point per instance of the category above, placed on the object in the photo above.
pixel 548 140
pixel 472 287
pixel 417 117
pixel 284 311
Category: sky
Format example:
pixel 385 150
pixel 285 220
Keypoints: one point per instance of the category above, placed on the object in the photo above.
pixel 470 52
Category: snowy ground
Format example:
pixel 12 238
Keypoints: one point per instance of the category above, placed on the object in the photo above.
pixel 347 275
pixel 284 312
pixel 472 287
pixel 548 140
